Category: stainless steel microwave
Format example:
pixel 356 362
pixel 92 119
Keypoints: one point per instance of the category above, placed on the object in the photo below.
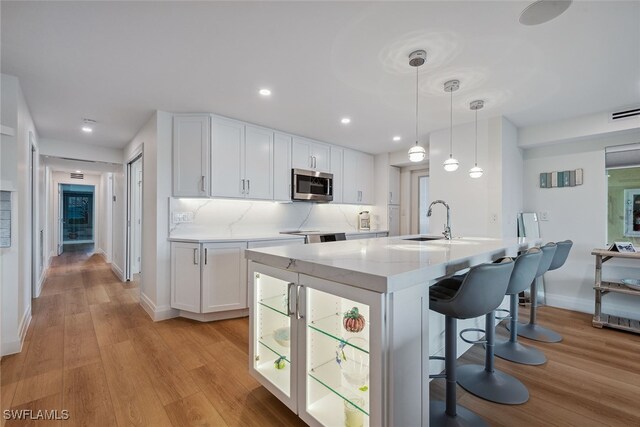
pixel 311 186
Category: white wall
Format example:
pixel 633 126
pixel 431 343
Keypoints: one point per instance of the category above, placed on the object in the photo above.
pixel 74 150
pixel 16 261
pixel 580 214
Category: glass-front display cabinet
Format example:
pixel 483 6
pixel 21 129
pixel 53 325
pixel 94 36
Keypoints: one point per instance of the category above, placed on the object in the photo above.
pixel 316 345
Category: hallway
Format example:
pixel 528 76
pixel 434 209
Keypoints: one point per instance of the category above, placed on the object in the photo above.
pixel 92 350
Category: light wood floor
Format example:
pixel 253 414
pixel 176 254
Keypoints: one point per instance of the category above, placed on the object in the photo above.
pixel 92 350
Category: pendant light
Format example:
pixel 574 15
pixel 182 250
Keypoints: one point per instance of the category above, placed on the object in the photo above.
pixel 475 171
pixel 417 153
pixel 451 164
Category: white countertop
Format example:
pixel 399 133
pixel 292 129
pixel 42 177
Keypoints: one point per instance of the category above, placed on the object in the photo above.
pixel 244 237
pixel 387 264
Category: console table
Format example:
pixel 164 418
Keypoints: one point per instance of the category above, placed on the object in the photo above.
pixel 603 287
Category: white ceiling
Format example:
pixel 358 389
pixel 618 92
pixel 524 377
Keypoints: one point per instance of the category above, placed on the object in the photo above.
pixel 117 62
pixel 84 166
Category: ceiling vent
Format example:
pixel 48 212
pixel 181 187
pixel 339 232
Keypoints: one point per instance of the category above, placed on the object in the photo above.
pixel 625 114
pixel 75 175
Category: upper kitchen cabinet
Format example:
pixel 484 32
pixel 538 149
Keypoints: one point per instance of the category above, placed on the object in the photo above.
pixel 308 154
pixel 357 178
pixel 258 163
pixel 337 154
pixel 282 167
pixel 394 185
pixel 241 160
pixel 191 155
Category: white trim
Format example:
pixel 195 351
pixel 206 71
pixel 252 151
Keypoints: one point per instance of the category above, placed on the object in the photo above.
pixel 16 346
pixel 117 271
pixel 157 313
pixel 101 253
pixel 43 276
pixel 221 315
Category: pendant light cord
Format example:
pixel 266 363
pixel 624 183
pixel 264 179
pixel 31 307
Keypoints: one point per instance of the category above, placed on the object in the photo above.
pixel 417 88
pixel 451 125
pixel 476 156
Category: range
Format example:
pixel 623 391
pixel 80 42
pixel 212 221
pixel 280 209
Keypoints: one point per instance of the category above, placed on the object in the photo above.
pixel 315 236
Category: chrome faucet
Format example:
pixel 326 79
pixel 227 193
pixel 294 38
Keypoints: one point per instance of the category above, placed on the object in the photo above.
pixel 447 228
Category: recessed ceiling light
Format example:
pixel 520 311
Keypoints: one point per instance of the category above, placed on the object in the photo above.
pixel 345 120
pixel 264 92
pixel 396 138
pixel 78 171
pixel 87 129
pixel 87 125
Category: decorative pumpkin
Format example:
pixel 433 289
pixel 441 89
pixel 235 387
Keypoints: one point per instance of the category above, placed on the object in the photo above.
pixel 279 363
pixel 353 321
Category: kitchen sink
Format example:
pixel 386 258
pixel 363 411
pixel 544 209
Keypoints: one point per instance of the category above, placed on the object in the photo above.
pixel 424 238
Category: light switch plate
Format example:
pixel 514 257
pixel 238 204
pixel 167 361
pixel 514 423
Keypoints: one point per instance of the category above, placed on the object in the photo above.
pixel 181 217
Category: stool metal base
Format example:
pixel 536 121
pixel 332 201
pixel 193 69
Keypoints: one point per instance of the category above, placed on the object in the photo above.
pixel 518 353
pixel 537 333
pixel 494 386
pixel 464 417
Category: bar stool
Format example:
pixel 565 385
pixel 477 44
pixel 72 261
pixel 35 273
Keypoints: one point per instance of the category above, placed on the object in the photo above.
pixel 524 273
pixel 485 381
pixel 532 330
pixel 480 292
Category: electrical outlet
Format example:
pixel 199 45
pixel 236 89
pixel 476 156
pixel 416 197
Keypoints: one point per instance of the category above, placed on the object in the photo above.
pixel 180 217
pixel 544 216
pixel 494 218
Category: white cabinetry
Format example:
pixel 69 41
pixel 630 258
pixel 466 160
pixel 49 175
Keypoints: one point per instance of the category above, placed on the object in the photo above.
pixel 358 178
pixel 208 277
pixel 185 276
pixel 224 277
pixel 337 154
pixel 282 167
pixel 191 155
pixel 227 149
pixel 241 160
pixel 308 154
pixel 301 352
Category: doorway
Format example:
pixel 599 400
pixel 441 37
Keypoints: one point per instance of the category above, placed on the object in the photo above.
pixel 419 201
pixel 77 213
pixel 134 218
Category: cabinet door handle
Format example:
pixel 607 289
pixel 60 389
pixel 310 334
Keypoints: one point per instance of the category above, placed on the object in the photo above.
pixel 243 186
pixel 311 162
pixel 298 291
pixel 248 186
pixel 315 162
pixel 290 286
pixel 195 256
pixel 391 195
pixel 205 256
pixel 202 183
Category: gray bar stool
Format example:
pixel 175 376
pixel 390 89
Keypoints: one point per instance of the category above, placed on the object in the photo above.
pixel 532 330
pixel 485 381
pixel 480 292
pixel 524 273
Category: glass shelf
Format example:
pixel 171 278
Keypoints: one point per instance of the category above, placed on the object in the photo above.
pixel 277 303
pixel 331 326
pixel 269 342
pixel 324 374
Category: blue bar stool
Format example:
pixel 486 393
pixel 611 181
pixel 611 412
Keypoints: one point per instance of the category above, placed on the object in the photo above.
pixel 477 293
pixel 485 381
pixel 523 274
pixel 532 330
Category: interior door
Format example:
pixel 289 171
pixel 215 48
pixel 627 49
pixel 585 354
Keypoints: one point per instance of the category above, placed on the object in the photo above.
pixel 136 235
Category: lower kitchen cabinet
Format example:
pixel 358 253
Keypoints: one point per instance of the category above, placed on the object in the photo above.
pixel 317 346
pixel 208 277
pixel 224 277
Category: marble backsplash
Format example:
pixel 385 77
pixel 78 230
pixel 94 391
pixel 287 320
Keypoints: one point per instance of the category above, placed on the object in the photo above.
pixel 228 218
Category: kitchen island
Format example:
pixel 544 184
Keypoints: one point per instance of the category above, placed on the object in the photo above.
pixel 340 332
